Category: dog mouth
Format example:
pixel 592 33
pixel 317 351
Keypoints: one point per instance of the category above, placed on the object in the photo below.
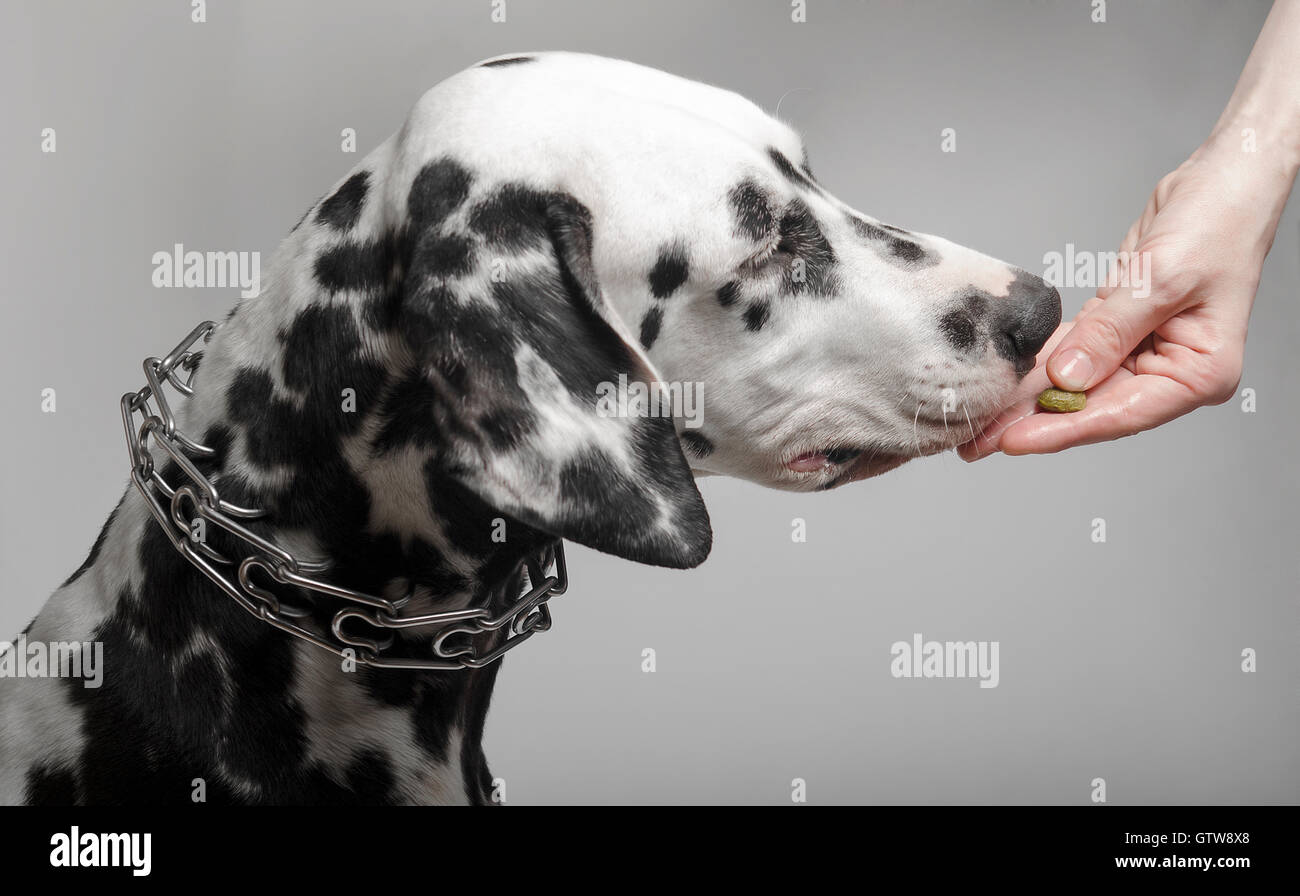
pixel 843 463
pixel 928 425
pixel 824 459
pixel 838 464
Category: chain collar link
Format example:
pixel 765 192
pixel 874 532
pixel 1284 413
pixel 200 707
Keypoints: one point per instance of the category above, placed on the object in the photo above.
pixel 454 642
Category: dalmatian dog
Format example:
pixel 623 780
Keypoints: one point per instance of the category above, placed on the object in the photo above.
pixel 541 225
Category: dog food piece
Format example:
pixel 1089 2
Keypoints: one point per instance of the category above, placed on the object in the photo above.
pixel 1062 402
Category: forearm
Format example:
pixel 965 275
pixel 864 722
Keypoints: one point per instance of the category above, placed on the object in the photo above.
pixel 1257 138
pixel 1267 96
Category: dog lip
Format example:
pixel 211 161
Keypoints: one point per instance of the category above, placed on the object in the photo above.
pixel 843 455
pixel 823 460
pixel 872 464
pixel 958 420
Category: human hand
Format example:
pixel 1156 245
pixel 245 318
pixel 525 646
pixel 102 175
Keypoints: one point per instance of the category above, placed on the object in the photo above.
pixel 1146 359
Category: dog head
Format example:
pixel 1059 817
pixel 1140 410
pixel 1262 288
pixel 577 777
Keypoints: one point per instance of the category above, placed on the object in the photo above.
pixel 820 344
pixel 546 230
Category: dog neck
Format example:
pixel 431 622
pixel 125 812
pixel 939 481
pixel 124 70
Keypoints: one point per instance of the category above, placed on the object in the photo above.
pixel 361 490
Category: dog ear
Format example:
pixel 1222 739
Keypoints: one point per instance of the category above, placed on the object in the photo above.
pixel 501 309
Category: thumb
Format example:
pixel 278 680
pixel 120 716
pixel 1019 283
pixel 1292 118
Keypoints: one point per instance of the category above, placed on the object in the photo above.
pixel 1101 339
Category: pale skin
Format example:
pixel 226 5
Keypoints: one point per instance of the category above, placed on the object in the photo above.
pixel 1144 361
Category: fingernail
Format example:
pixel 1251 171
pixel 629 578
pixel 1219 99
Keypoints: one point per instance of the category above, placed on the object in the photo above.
pixel 1074 373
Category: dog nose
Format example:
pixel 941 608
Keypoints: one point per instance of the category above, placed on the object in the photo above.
pixel 1028 317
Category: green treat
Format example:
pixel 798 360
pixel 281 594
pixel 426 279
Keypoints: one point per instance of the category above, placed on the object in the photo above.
pixel 1062 402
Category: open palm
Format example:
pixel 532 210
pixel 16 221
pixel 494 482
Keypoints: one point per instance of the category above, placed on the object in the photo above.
pixel 1152 357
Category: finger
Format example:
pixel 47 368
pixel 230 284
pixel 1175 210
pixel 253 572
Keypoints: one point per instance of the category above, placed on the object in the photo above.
pixel 1119 275
pixel 1101 339
pixel 986 442
pixel 1124 407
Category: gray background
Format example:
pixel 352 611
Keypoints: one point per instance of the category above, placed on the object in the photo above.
pixel 773 658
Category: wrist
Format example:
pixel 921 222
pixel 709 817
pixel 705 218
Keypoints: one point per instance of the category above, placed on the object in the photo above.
pixel 1264 109
pixel 1251 181
pixel 1266 148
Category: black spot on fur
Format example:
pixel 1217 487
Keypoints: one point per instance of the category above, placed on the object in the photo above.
pixel 443 256
pixel 696 443
pixel 47 786
pixel 512 218
pixel 959 329
pixel 977 303
pixel 320 339
pixel 356 266
pixel 467 518
pixel 407 415
pixel 907 250
pixel 323 356
pixel 869 231
pixel 437 191
pixel 393 687
pixel 539 310
pixel 811 263
pixel 789 171
pixel 341 210
pixel 650 326
pixel 728 293
pixel 592 477
pixel 752 209
pixel 669 272
pixel 370 777
pixel 434 718
pixel 505 430
pixel 892 241
pixel 422 313
pixel 756 315
pixel 513 60
pixel 383 309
